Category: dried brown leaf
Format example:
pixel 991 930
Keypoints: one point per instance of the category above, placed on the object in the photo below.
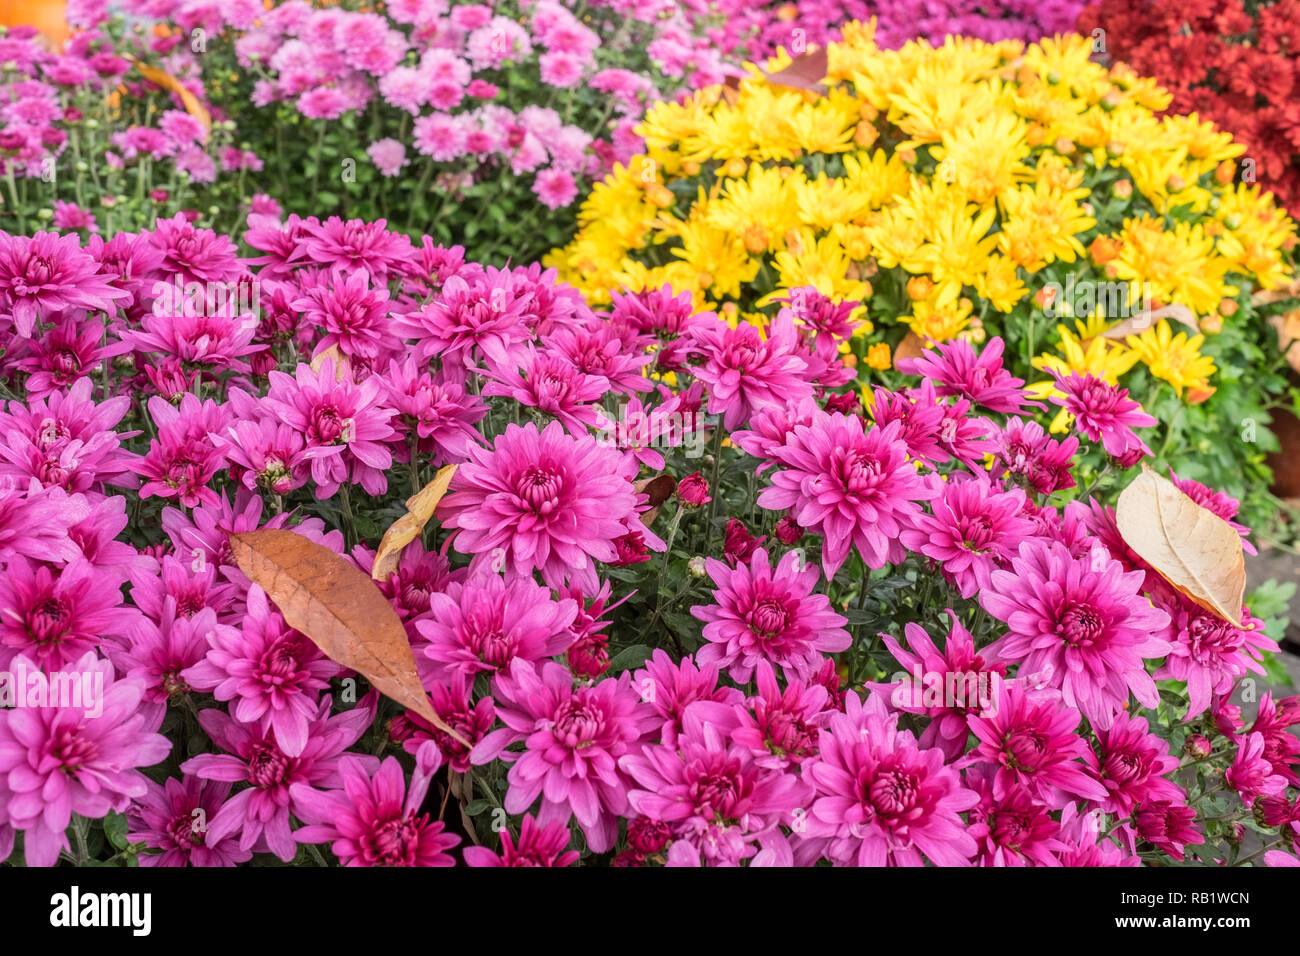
pixel 660 488
pixel 910 348
pixel 419 509
pixel 1191 547
pixel 1144 320
pixel 339 609
pixel 1269 296
pixel 342 368
pixel 805 72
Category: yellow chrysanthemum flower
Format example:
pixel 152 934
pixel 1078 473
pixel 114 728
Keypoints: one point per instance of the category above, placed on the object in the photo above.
pixel 1176 359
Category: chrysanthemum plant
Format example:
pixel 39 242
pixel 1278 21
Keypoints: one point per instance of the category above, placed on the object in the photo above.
pixel 479 123
pixel 687 599
pixel 969 191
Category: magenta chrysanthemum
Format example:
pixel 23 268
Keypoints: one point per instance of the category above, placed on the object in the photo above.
pixel 543 501
pixel 766 613
pixel 1078 624
pixel 854 486
pixel 881 799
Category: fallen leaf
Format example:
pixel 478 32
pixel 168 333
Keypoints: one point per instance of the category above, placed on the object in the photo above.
pixel 1287 327
pixel 1191 547
pixel 170 83
pixel 910 348
pixel 660 488
pixel 342 368
pixel 419 509
pixel 1144 320
pixel 1269 296
pixel 339 609
pixel 805 72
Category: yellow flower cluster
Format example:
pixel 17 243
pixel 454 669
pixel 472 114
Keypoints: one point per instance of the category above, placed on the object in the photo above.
pixel 959 177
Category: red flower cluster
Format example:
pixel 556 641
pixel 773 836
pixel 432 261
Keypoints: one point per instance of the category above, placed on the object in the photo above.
pixel 1233 65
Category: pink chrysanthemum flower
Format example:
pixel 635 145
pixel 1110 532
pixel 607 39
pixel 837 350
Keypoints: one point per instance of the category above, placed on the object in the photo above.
pixel 712 792
pixel 159 654
pixel 1032 740
pixel 1251 774
pixel 573 738
pixel 47 273
pixel 668 687
pixel 197 255
pixel 1104 413
pixel 174 818
pixel 659 315
pixel 485 623
pixel 65 353
pixel 920 416
pixel 1014 831
pixel 438 409
pixel 1132 765
pixel 481 315
pixel 779 726
pixel 598 351
pixel 1026 452
pixel 271 454
pixel 1281 747
pixel 353 312
pixel 552 384
pixel 766 613
pixel 956 368
pixel 544 501
pixel 974 530
pixel 183 459
pixel 213 341
pixel 34 524
pixel 354 245
pixel 770 428
pixel 375 819
pixel 61 760
pixel 855 487
pixel 1169 826
pixel 453 703
pixel 744 371
pixel 956 678
pixel 260 812
pixel 273 674
pixel 69 440
pixel 537 845
pixel 1081 624
pixel 55 617
pixel 1085 845
pixel 883 800
pixel 344 425
pixel 1210 654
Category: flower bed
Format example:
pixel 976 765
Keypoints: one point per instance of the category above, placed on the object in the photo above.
pixel 1042 200
pixel 732 663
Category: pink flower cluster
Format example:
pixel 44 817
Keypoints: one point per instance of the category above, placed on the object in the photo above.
pixel 314 383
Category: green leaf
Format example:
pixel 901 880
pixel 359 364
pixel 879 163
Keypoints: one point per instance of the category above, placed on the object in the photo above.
pixel 630 657
pixel 475 807
pixel 115 827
